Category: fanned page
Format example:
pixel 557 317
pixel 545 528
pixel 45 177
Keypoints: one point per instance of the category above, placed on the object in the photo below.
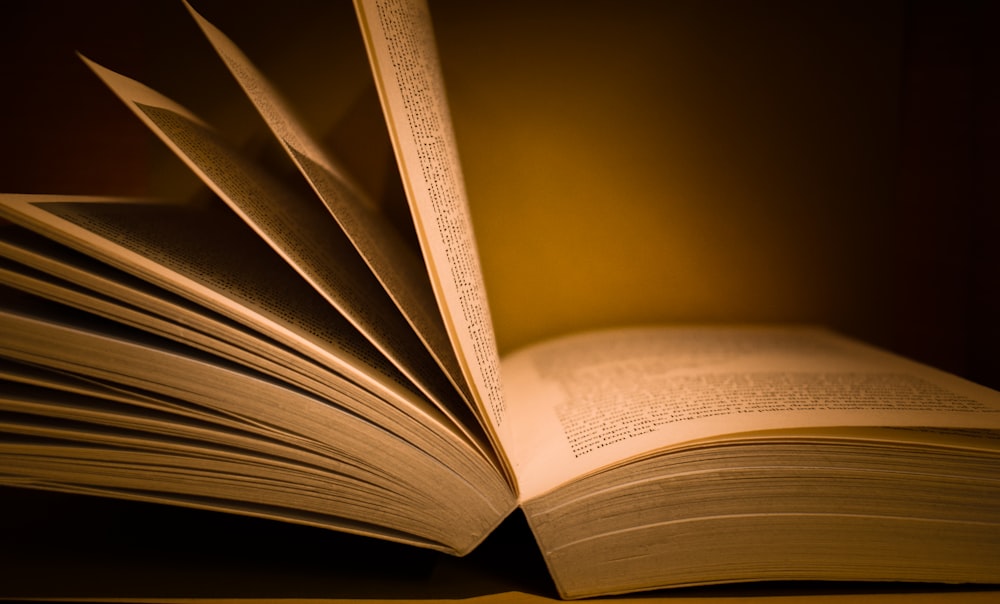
pixel 398 267
pixel 204 253
pixel 279 462
pixel 404 59
pixel 584 402
pixel 40 266
pixel 299 229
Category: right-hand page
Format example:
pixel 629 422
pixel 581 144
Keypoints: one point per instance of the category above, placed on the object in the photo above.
pixel 582 402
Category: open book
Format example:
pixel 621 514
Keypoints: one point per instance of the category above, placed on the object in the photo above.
pixel 281 347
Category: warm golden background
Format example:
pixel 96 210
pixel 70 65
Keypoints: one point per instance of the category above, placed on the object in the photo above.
pixel 678 161
pixel 830 161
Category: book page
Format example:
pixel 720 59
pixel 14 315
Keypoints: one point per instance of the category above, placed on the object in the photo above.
pixel 320 459
pixel 404 59
pixel 397 266
pixel 583 402
pixel 297 228
pixel 204 253
pixel 38 266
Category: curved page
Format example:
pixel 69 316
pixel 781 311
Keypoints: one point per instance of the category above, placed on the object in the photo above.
pixel 396 265
pixel 404 59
